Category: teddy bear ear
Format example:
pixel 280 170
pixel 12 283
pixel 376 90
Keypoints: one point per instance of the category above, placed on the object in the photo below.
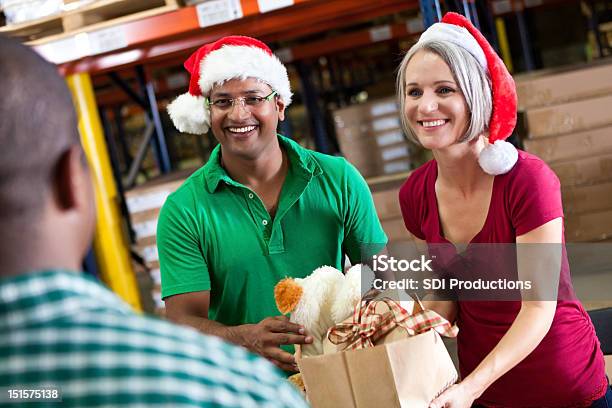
pixel 287 294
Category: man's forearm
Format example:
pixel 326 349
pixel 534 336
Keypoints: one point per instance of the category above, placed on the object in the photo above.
pixel 233 334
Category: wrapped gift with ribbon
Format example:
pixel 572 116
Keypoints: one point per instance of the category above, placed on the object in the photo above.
pixel 383 321
pixel 382 356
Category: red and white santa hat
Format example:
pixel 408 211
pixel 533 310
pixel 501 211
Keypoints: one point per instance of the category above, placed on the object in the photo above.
pixel 227 58
pixel 499 156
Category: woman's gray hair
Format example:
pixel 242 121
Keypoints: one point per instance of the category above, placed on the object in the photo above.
pixel 472 79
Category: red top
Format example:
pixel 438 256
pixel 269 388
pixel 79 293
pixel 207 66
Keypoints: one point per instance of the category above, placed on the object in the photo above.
pixel 567 368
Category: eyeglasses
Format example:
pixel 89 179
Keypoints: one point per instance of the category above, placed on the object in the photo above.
pixel 247 101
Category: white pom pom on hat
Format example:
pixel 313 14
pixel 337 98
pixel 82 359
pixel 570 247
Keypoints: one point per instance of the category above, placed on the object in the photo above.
pixel 499 156
pixel 189 114
pixel 230 57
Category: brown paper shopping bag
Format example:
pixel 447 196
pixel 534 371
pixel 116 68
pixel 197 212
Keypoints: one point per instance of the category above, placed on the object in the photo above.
pixel 403 367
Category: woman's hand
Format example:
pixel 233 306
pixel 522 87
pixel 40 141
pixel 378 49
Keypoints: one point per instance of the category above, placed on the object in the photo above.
pixel 457 396
pixel 446 308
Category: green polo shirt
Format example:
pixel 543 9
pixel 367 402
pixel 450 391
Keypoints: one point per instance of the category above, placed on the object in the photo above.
pixel 215 234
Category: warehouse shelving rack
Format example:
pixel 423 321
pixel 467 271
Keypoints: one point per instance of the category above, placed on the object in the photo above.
pixel 167 39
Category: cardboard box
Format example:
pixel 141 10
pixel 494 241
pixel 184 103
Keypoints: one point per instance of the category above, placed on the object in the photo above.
pixel 582 199
pixel 370 136
pixel 588 227
pixel 146 229
pixel 367 151
pixel 373 169
pixel 145 200
pixel 589 170
pixel 397 166
pixel 358 128
pixel 149 253
pixel 396 230
pixel 144 216
pixel 376 153
pixel 147 241
pixel 569 117
pixel 365 112
pixel 367 170
pixel 348 137
pixel 561 86
pixel 387 203
pixel 358 122
pixel 582 144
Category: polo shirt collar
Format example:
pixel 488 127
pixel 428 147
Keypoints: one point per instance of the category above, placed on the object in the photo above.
pixel 301 161
pixel 214 172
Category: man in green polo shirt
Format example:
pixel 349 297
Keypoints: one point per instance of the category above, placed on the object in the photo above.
pixel 262 208
pixel 65 339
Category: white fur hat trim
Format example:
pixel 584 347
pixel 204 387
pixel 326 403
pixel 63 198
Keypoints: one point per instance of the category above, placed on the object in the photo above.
pixel 457 35
pixel 230 62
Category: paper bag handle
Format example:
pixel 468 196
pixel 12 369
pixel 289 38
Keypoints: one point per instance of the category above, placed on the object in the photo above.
pixel 418 305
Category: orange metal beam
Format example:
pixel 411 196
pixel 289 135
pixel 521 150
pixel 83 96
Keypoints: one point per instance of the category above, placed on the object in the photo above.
pixel 316 12
pixel 162 26
pixel 382 9
pixel 117 97
pixel 504 7
pixel 177 33
pixel 313 49
pixel 158 29
pixel 349 41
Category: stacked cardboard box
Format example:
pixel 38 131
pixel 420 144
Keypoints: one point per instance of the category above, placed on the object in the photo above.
pixel 386 201
pixel 371 138
pixel 568 123
pixel 144 203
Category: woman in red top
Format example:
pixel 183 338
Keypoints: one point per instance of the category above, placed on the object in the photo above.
pixel 459 101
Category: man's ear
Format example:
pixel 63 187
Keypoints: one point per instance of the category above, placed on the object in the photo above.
pixel 280 107
pixel 71 178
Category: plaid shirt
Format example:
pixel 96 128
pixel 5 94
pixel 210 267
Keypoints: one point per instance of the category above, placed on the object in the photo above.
pixel 64 330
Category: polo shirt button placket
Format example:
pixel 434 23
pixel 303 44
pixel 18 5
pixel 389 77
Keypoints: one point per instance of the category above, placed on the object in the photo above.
pixel 264 222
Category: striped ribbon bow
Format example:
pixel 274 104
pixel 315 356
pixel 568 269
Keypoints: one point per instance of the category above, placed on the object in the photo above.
pixel 368 326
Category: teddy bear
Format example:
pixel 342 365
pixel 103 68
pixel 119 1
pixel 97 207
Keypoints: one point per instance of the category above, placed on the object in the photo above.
pixel 321 300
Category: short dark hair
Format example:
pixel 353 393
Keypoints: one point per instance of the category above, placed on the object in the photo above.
pixel 37 126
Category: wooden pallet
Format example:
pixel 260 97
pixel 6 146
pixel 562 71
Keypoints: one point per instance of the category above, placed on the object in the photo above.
pixel 99 14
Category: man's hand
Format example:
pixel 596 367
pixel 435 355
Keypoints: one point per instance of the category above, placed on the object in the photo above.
pixel 265 337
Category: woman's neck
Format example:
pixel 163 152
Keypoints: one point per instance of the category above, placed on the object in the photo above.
pixel 458 166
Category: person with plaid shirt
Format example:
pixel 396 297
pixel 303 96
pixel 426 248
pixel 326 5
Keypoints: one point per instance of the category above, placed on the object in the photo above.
pixel 61 331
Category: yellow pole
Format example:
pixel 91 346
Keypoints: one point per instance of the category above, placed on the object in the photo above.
pixel 503 43
pixel 110 244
